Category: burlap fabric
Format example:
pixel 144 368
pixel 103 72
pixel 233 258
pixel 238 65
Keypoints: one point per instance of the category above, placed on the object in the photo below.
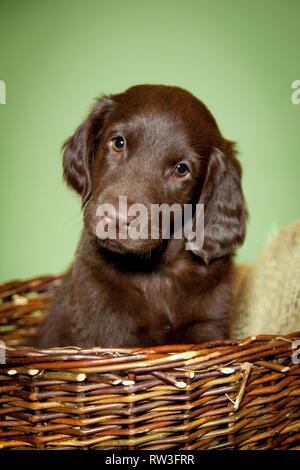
pixel 268 298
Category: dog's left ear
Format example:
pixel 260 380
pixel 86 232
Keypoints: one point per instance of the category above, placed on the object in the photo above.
pixel 225 213
pixel 79 149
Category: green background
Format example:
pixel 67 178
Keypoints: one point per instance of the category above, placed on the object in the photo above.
pixel 239 57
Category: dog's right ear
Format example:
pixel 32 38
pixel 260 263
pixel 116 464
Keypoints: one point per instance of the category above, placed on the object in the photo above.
pixel 79 149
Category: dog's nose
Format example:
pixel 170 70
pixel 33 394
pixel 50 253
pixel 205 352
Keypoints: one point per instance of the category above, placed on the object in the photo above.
pixel 119 218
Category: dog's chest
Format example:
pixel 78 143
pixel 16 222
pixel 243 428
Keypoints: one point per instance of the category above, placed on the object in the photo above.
pixel 167 300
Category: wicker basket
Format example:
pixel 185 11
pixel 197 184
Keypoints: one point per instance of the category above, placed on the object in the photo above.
pixel 223 395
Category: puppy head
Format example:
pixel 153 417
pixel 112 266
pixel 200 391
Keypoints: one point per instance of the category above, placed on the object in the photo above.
pixel 155 145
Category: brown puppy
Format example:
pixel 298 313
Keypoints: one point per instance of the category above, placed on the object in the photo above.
pixel 153 144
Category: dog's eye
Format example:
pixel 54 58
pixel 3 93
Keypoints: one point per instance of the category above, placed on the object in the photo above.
pixel 181 169
pixel 118 143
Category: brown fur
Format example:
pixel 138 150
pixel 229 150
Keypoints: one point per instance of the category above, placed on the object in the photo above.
pixel 149 292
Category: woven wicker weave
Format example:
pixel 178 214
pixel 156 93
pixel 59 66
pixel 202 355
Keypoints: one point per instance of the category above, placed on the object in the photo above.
pixel 223 395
